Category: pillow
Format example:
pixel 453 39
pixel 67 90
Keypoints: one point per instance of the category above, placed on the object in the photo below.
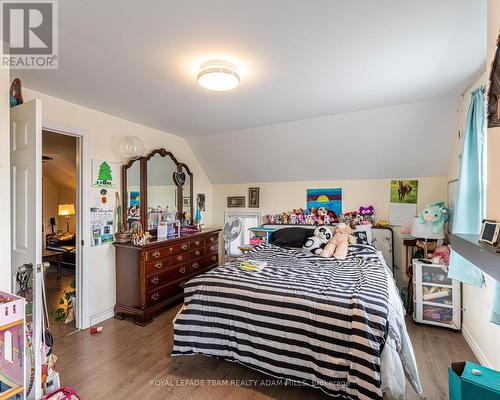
pixel 291 237
pixel 367 229
pixel 361 237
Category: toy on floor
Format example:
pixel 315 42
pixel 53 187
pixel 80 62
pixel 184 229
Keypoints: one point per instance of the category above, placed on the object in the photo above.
pixel 436 214
pixel 339 243
pixel 316 243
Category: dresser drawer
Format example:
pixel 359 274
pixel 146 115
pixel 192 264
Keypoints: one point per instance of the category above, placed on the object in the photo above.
pixel 178 258
pixel 212 248
pixel 212 239
pixel 201 264
pixel 170 274
pixel 163 293
pixel 196 253
pixel 197 244
pixel 166 251
pixel 156 267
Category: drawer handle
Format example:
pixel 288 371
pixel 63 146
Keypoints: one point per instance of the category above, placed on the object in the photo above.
pixel 158 264
pixel 195 265
pixel 212 239
pixel 156 254
pixel 214 258
pixel 197 252
pixel 212 248
pixel 184 247
pixel 155 280
pixel 197 243
pixel 155 296
pixel 171 249
pixel 180 258
pixel 182 270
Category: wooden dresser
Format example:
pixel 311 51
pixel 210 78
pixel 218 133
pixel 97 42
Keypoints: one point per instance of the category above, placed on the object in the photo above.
pixel 150 278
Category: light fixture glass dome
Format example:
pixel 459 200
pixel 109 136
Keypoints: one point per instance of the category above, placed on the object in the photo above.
pixel 218 76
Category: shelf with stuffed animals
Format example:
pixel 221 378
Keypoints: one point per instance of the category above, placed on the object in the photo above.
pixel 322 216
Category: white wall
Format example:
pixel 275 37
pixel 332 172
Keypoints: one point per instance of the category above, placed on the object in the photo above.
pixel 103 129
pixel 5 267
pixel 276 197
pixel 479 332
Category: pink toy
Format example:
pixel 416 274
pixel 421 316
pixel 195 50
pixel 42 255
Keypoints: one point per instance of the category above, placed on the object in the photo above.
pixel 364 211
pixel 441 255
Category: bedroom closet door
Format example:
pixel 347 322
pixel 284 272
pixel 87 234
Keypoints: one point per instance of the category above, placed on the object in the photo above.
pixel 26 214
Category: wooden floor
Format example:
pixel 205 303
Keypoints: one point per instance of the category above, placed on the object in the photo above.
pixel 129 362
pixel 55 287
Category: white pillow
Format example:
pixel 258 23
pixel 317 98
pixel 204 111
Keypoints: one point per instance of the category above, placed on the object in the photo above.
pixel 367 229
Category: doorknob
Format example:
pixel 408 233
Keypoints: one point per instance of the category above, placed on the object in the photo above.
pixel 43 266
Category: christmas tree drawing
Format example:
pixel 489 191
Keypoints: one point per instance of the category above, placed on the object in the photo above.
pixel 105 177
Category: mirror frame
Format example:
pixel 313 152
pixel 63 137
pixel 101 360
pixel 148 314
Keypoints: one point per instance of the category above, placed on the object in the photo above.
pixel 144 185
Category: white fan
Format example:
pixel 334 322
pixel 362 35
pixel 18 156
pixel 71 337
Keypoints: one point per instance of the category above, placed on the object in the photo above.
pixel 230 231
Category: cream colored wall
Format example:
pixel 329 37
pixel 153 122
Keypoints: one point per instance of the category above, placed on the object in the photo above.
pixel 5 267
pixel 277 197
pixel 102 130
pixel 477 329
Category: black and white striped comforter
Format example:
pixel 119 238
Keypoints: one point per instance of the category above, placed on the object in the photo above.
pixel 321 322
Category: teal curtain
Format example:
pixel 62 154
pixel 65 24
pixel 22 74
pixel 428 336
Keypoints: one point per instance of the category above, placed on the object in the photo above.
pixel 471 199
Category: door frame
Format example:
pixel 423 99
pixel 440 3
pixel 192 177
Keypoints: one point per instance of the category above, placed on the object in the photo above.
pixel 83 242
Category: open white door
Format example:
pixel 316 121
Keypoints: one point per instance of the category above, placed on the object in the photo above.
pixel 26 211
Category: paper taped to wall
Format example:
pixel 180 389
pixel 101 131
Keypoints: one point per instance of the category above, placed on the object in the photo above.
pixel 401 214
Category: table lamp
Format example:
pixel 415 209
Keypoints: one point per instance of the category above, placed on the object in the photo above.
pixel 424 231
pixel 66 210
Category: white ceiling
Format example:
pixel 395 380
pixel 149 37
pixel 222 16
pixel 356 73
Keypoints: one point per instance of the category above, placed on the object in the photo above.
pixel 298 59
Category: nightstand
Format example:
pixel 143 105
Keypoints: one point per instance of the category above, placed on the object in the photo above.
pixel 436 298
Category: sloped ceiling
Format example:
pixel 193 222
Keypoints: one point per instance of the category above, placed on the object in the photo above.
pixel 411 140
pixel 299 61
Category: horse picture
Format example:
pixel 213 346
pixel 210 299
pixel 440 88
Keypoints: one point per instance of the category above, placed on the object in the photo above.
pixel 404 191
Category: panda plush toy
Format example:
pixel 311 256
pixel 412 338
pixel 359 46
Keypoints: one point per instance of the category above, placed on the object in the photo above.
pixel 316 243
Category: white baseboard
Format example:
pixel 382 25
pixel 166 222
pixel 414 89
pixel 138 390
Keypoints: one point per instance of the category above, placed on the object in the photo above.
pixel 475 348
pixel 102 316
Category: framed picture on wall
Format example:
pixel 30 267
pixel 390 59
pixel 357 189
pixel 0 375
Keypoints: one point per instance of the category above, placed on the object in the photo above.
pixel 236 202
pixel 253 197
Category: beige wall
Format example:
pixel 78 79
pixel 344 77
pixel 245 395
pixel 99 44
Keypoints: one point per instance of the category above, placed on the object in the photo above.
pixel 52 197
pixel 5 268
pixel 103 129
pixel 277 197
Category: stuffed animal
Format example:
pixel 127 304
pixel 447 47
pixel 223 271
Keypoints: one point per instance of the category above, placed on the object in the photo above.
pixel 436 214
pixel 301 219
pixel 271 219
pixel 293 219
pixel 441 255
pixel 364 211
pixel 316 243
pixel 339 243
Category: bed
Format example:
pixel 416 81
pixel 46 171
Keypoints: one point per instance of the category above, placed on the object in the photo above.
pixel 336 325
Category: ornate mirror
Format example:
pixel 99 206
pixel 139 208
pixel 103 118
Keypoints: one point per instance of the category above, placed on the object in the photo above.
pixel 153 185
pixel 162 192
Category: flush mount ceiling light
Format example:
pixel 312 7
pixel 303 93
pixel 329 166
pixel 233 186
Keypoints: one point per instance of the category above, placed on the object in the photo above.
pixel 218 75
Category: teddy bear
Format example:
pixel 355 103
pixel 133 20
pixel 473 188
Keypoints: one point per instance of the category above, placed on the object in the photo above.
pixel 436 214
pixel 316 243
pixel 339 243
